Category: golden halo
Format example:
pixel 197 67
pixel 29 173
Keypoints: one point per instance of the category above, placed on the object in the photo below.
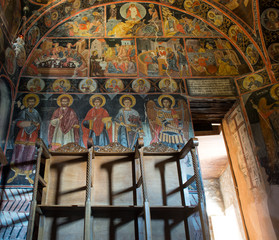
pixel 141 79
pixel 89 81
pixel 133 100
pixel 151 5
pixel 97 96
pixel 211 13
pixel 37 99
pixel 54 15
pixel 272 92
pixel 272 11
pixel 166 96
pixel 67 96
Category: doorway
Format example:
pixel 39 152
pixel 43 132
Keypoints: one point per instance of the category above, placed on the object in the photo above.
pixel 222 205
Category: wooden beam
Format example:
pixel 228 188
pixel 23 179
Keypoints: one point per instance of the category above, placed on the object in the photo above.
pixel 192 143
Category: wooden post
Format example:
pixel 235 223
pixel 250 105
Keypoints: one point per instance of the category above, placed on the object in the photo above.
pixel 31 221
pixel 87 222
pixel 147 215
pixel 201 204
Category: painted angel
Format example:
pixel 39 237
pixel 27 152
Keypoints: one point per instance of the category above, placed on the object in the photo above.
pixel 168 125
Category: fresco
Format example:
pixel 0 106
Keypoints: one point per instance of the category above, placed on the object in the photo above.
pixel 270 19
pixel 214 57
pixel 215 17
pixel 151 19
pixel 192 6
pixel 168 124
pixel 64 124
pixel 61 85
pixel 133 19
pixel 62 118
pixel 114 85
pixel 243 9
pixel 273 51
pixel 51 18
pixel 59 58
pixel 263 108
pixel 33 36
pixel 89 23
pixel 113 57
pixel 101 85
pixel 162 57
pixel 253 82
pixel 11 11
pixel 141 85
pixel 35 85
pixel 270 26
pixel 10 60
pixel 177 24
pixel 252 54
pixel 28 124
pixel 87 85
pixel 115 50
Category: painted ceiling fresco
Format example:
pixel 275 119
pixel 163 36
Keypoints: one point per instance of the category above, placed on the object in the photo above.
pixel 167 31
pixel 165 18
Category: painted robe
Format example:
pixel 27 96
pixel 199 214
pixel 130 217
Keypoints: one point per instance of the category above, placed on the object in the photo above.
pixel 62 131
pixel 168 129
pixel 97 125
pixel 129 126
pixel 24 149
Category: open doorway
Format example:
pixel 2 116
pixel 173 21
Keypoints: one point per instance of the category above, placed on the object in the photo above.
pixel 225 219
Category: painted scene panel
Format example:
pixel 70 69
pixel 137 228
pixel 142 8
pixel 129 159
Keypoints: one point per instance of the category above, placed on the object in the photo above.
pixel 89 23
pixel 59 57
pixel 113 57
pixel 215 57
pixel 133 19
pixel 162 57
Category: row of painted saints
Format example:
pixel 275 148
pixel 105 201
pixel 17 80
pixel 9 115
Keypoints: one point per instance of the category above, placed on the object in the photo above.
pixel 113 85
pixel 168 125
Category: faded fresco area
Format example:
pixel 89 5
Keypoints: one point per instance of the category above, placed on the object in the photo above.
pixel 243 9
pixel 263 111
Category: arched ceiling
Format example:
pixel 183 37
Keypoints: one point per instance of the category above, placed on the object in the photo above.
pixel 221 18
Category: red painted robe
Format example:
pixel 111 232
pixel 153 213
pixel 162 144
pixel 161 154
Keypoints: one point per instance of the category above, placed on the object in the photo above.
pixel 96 126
